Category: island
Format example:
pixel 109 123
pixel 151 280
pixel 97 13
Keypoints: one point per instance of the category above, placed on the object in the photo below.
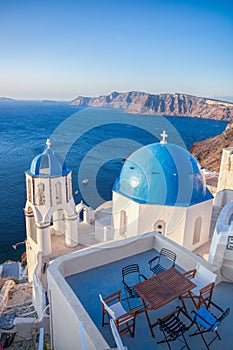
pixel 176 104
pixel 6 99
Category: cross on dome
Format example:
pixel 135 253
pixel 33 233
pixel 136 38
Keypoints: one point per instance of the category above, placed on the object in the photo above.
pixel 48 143
pixel 164 135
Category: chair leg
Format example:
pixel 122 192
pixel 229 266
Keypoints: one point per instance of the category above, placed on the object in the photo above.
pixel 131 328
pixel 165 340
pixel 199 331
pixel 128 303
pixel 185 341
pixel 104 313
pixel 103 316
pixel 183 304
pixel 207 345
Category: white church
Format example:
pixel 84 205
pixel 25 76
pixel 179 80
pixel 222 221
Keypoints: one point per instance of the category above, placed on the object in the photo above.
pixel 161 188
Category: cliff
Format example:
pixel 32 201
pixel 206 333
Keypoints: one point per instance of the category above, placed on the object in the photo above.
pixel 161 104
pixel 209 152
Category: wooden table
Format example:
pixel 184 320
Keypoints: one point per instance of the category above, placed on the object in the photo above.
pixel 161 289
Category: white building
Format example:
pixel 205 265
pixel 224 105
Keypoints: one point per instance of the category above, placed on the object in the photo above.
pixel 161 188
pixel 224 192
pixel 221 249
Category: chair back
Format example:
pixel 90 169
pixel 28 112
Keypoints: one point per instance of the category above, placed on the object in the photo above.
pixel 204 275
pixel 225 313
pixel 133 268
pixel 167 258
pixel 131 275
pixel 116 336
pixel 107 308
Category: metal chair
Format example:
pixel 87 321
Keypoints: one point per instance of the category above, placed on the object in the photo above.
pixel 164 261
pixel 202 293
pixel 173 327
pixel 130 277
pixel 206 321
pixel 112 308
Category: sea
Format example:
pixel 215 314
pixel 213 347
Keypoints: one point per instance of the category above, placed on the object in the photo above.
pixel 94 143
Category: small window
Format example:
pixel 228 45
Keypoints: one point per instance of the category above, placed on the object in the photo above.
pixel 123 223
pixel 58 193
pixel 197 230
pixel 29 190
pixel 41 193
pixel 70 188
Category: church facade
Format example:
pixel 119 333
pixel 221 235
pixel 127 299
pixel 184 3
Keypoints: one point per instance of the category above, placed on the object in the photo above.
pixel 161 188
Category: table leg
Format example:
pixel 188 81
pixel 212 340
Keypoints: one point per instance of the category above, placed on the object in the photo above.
pixel 148 318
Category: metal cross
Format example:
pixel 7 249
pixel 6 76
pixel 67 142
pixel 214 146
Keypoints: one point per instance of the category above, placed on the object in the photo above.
pixel 48 143
pixel 164 135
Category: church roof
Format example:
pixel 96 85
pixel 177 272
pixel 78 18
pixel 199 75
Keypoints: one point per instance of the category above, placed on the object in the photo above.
pixel 163 174
pixel 48 164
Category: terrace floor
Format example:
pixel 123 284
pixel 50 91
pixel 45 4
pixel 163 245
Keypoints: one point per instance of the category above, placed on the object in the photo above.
pixel 106 279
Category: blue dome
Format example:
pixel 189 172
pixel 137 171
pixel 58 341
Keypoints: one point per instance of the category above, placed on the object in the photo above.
pixel 48 164
pixel 163 174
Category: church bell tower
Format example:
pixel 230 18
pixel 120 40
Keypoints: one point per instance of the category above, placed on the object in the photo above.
pixel 50 208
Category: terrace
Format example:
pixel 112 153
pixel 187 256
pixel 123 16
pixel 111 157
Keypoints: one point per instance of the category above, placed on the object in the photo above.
pixel 75 282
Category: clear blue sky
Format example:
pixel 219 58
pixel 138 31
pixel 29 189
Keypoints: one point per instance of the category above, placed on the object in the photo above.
pixel 60 49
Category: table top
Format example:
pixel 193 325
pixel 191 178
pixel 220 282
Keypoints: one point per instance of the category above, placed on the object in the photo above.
pixel 163 288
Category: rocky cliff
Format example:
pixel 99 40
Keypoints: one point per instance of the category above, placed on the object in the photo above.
pixel 209 152
pixel 161 104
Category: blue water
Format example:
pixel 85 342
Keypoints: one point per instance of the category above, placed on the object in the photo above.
pixel 93 143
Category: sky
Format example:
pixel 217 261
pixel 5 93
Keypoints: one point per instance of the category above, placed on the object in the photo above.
pixel 61 49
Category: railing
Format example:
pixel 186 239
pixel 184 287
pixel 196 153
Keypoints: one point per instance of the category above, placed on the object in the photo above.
pixel 41 339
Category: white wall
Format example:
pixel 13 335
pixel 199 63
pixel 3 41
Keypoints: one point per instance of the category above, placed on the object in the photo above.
pixel 122 203
pixel 179 221
pixel 174 217
pixel 202 210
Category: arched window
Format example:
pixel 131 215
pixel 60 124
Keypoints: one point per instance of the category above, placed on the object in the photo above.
pixel 31 228
pixel 123 223
pixel 58 192
pixel 231 220
pixel 29 190
pixel 197 230
pixel 41 193
pixel 70 188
